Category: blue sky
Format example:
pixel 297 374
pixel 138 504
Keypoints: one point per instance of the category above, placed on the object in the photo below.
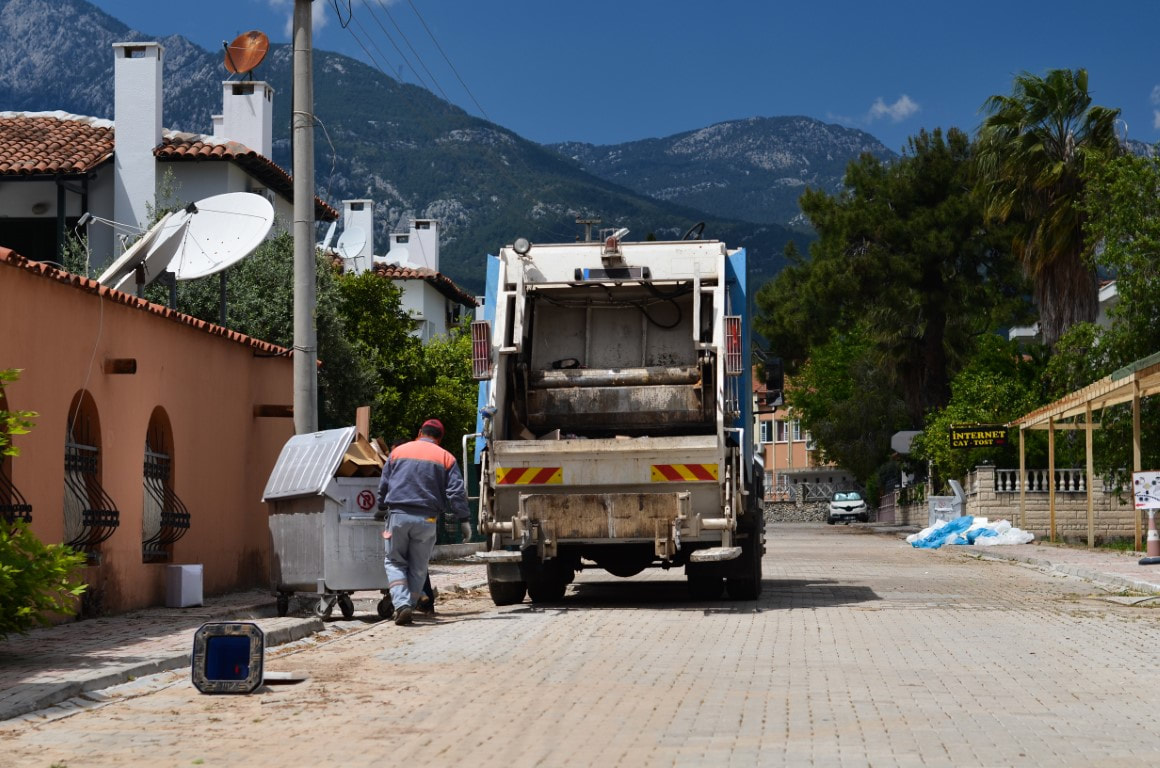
pixel 607 72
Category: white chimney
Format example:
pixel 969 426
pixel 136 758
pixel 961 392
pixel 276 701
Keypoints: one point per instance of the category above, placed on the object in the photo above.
pixel 247 115
pixel 137 130
pixel 424 245
pixel 358 227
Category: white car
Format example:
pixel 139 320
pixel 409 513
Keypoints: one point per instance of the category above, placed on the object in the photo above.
pixel 847 506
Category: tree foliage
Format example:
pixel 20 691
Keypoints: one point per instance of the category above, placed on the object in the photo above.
pixel 35 579
pixel 999 384
pixel 1034 147
pixel 903 266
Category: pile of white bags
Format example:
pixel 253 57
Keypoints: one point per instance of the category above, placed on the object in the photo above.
pixel 971 531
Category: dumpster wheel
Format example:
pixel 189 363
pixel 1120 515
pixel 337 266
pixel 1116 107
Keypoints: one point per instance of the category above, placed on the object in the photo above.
pixel 386 609
pixel 324 606
pixel 346 605
pixel 283 604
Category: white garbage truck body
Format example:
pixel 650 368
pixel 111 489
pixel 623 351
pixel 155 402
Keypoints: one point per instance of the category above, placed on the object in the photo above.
pixel 616 416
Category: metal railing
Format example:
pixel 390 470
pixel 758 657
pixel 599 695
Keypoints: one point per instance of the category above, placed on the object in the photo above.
pixel 1039 481
pixel 90 516
pixel 13 506
pixel 166 519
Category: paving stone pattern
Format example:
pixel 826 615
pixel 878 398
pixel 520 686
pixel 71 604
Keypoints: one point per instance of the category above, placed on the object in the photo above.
pixel 861 651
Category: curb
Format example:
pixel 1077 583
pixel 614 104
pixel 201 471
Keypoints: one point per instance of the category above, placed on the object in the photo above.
pixel 1087 574
pixel 285 630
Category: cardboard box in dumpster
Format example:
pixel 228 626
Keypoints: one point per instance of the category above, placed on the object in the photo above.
pixel 360 460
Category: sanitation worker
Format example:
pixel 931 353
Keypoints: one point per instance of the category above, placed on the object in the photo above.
pixel 419 480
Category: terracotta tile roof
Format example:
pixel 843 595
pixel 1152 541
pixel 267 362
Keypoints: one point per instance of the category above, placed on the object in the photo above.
pixel 59 143
pixel 10 258
pixel 192 147
pixel 53 144
pixel 441 282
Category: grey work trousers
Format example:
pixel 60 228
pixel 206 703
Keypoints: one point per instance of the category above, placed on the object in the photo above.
pixel 409 546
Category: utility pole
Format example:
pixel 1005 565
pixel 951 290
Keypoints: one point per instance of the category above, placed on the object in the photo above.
pixel 305 291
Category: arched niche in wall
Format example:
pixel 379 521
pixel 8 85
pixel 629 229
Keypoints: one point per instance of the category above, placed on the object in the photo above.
pixel 90 516
pixel 164 518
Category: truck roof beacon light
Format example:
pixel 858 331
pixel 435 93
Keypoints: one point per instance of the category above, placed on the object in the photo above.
pixel 522 245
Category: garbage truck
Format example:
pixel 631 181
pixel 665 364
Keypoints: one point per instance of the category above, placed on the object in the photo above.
pixel 615 422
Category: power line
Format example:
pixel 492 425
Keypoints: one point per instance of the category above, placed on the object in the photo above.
pixel 441 51
pixel 374 44
pixel 402 55
pixel 412 48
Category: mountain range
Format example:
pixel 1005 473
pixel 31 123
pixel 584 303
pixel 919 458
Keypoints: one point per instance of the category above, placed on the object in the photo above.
pixel 417 155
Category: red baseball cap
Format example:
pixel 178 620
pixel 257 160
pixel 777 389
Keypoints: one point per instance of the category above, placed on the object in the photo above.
pixel 434 424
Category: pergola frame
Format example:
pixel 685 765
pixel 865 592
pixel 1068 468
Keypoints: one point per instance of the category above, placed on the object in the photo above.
pixel 1131 383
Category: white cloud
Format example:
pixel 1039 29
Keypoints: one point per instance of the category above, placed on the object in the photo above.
pixel 1156 119
pixel 1156 94
pixel 901 109
pixel 319 12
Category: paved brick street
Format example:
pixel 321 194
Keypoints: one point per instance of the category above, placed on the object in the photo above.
pixel 861 651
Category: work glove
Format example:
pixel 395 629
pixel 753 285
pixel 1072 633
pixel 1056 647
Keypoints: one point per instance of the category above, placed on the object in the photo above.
pixel 465 530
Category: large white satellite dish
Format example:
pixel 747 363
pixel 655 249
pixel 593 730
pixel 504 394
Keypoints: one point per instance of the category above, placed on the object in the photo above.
pixel 222 230
pixel 351 242
pixel 153 251
pixel 399 255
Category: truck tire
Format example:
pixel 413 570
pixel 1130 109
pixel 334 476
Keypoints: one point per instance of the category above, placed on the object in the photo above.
pixel 705 586
pixel 506 592
pixel 747 587
pixel 547 581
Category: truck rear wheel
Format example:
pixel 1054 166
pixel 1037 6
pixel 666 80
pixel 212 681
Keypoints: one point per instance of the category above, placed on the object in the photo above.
pixel 547 581
pixel 506 592
pixel 705 586
pixel 747 587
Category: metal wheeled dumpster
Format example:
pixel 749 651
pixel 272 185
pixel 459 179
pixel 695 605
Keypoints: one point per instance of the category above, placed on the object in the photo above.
pixel 325 537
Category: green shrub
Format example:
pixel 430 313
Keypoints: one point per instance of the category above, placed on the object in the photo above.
pixel 35 578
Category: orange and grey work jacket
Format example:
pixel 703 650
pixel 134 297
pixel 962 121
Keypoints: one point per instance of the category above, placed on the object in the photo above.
pixel 421 478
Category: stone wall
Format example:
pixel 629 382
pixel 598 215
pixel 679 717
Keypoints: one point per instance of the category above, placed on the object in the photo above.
pixel 1113 518
pixel 795 511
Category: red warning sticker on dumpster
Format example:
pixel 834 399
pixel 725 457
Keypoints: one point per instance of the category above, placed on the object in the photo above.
pixel 366 500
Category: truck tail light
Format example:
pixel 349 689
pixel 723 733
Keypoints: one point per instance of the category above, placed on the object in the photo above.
pixel 480 350
pixel 733 345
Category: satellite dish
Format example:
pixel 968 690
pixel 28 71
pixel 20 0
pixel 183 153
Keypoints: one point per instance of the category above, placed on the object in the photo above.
pixel 246 52
pixel 153 251
pixel 351 243
pixel 399 255
pixel 326 241
pixel 222 230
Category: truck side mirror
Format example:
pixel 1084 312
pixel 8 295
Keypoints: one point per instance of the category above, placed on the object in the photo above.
pixel 774 381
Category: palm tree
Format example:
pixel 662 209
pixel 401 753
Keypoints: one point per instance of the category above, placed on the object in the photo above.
pixel 1033 147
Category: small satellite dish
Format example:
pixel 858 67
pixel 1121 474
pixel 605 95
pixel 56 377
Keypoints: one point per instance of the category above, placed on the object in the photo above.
pixel 351 242
pixel 246 52
pixel 153 251
pixel 326 241
pixel 222 230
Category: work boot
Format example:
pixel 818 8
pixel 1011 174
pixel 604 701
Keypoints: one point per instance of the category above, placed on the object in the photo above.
pixel 403 615
pixel 425 605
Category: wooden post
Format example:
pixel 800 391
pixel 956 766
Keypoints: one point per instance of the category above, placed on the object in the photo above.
pixel 1051 478
pixel 1022 482
pixel 1090 475
pixel 1137 464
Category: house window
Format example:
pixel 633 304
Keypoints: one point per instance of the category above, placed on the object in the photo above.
pixel 797 431
pixel 781 435
pixel 810 444
pixel 766 431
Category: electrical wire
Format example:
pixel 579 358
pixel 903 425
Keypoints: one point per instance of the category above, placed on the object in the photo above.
pixel 418 15
pixel 413 51
pixel 398 50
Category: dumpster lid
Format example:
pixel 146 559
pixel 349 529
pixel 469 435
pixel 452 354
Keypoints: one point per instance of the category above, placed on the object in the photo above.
pixel 308 463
